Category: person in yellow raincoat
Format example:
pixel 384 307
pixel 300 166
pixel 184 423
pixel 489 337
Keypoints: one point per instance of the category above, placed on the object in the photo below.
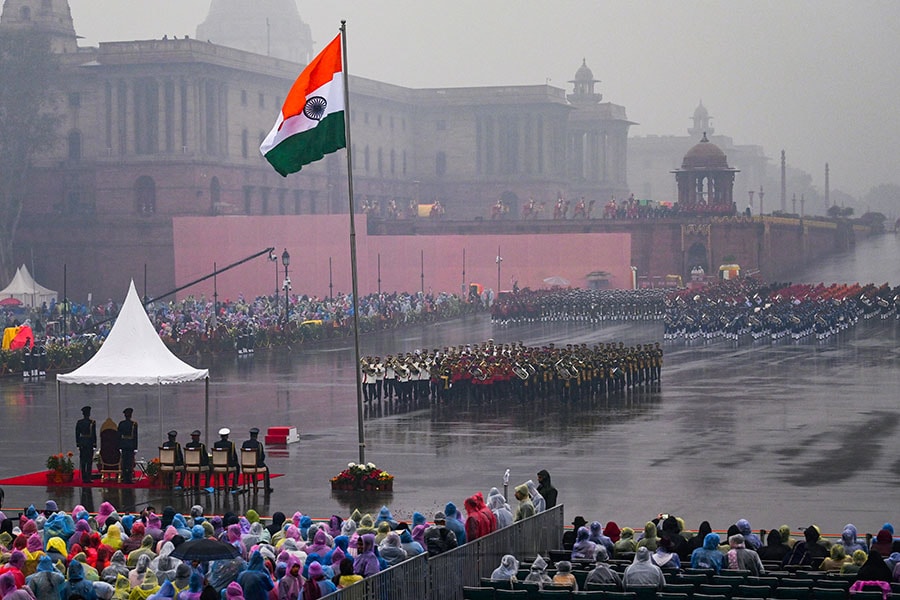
pixel 149 587
pixel 123 588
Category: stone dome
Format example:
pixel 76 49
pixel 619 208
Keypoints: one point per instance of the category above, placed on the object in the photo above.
pixel 584 72
pixel 705 156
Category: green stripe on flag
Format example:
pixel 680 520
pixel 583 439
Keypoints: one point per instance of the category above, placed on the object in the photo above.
pixel 293 153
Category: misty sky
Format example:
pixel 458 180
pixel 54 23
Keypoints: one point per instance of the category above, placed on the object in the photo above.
pixel 817 78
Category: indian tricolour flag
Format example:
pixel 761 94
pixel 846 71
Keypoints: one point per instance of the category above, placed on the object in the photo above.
pixel 311 123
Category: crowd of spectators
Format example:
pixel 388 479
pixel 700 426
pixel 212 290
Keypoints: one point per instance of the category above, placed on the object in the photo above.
pixel 195 324
pixel 58 555
pixel 666 548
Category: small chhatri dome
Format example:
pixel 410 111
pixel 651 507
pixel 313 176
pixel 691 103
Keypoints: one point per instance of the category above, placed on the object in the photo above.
pixel 583 86
pixel 700 112
pixel 701 121
pixel 584 72
pixel 705 156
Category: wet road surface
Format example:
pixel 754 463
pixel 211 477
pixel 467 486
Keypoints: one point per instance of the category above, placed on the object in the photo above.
pixel 787 432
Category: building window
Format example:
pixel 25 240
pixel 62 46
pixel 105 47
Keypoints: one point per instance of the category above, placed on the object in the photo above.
pixel 282 205
pixel 215 195
pixel 245 147
pixel 74 145
pixel 404 162
pixel 366 118
pixel 265 200
pixel 393 161
pixel 262 100
pixel 243 97
pixel 298 195
pixel 248 199
pixel 366 158
pixel 145 195
pixel 74 99
pixel 392 122
pixel 440 164
pixel 380 162
pixel 379 120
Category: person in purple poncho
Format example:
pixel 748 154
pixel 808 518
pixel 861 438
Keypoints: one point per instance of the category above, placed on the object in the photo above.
pixel 366 563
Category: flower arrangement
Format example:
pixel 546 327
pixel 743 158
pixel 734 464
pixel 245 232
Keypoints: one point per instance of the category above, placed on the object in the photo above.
pixel 60 467
pixel 61 463
pixel 363 477
pixel 152 468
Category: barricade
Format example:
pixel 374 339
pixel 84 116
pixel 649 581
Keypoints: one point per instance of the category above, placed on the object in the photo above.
pixel 442 577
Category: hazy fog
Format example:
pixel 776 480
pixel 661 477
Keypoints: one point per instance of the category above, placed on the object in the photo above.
pixel 817 78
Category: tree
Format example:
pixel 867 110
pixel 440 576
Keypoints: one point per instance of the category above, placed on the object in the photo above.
pixel 28 72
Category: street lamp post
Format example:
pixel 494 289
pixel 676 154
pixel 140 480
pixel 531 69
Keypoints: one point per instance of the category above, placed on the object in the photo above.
pixel 215 297
pixel 499 260
pixel 286 261
pixel 330 281
pixel 274 258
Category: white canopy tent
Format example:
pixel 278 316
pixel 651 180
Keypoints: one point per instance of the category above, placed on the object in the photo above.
pixel 133 354
pixel 24 288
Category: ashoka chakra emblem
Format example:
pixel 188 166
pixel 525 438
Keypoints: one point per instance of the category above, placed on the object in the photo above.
pixel 315 108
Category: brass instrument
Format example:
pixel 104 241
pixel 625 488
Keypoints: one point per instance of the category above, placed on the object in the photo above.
pixel 520 371
pixel 562 369
pixel 399 367
pixel 477 372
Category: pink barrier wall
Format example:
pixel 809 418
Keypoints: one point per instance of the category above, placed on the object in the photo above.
pixel 312 239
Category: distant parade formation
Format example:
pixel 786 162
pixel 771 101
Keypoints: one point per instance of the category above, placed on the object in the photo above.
pixel 747 308
pixel 490 372
pixel 736 309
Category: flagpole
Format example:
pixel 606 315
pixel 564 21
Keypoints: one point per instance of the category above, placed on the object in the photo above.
pixel 353 269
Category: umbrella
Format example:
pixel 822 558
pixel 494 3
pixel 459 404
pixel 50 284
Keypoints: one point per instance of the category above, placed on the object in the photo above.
pixel 205 550
pixel 10 302
pixel 556 280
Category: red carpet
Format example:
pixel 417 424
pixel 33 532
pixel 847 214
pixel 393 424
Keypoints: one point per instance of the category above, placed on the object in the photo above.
pixel 39 479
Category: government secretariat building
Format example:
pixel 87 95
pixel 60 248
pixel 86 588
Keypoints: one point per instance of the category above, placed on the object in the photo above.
pixel 156 129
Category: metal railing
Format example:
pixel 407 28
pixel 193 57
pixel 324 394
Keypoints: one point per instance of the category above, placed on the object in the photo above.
pixel 442 577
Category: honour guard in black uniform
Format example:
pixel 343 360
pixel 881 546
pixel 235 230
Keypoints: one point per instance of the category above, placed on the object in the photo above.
pixel 254 444
pixel 86 440
pixel 128 443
